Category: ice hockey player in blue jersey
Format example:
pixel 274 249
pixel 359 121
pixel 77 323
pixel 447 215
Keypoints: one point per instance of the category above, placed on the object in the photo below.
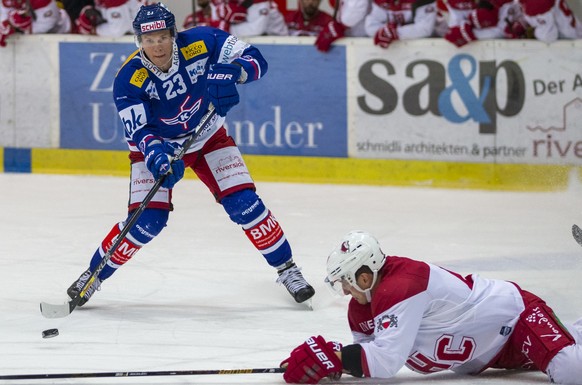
pixel 161 93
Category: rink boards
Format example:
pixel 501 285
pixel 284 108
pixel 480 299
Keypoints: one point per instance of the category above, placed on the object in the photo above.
pixel 495 114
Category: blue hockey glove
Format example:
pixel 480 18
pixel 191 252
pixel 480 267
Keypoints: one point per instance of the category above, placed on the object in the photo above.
pixel 158 159
pixel 221 80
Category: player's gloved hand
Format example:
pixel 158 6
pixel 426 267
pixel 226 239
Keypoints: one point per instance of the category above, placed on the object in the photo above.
pixel 5 30
pixel 330 33
pixel 313 360
pixel 20 20
pixel 88 19
pixel 159 157
pixel 461 35
pixel 515 30
pixel 221 81
pixel 386 35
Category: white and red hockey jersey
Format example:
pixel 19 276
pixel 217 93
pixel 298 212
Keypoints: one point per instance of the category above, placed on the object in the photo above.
pixel 431 319
pixel 551 20
pixel 413 19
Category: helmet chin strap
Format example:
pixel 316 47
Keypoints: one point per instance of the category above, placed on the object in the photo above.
pixel 367 292
pixel 146 58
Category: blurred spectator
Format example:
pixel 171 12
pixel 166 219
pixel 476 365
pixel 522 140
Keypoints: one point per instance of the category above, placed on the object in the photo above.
pixel 391 20
pixel 33 16
pixel 551 20
pixel 348 20
pixel 471 20
pixel 308 20
pixel 202 16
pixel 109 18
pixel 263 18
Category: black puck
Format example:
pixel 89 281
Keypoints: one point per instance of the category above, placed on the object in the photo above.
pixel 50 333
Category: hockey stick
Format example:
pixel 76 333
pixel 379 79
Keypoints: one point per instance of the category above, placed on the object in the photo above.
pixel 62 310
pixel 577 233
pixel 142 374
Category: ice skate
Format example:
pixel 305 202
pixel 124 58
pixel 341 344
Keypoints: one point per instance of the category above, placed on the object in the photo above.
pixel 78 285
pixel 290 276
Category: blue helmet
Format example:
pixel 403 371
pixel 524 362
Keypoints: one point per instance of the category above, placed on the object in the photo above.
pixel 154 17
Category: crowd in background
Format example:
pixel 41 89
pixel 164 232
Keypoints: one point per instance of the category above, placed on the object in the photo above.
pixel 458 21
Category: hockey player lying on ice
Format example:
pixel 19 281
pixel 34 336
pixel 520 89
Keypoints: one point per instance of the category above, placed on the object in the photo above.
pixel 407 312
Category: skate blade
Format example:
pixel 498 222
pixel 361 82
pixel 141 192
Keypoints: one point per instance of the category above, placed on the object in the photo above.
pixel 309 303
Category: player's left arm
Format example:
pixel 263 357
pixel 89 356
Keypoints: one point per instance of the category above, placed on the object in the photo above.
pixel 423 23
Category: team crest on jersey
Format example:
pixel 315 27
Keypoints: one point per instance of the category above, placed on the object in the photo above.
pixel 194 49
pixel 184 115
pixel 152 91
pixel 387 321
pixel 139 77
pixel 196 69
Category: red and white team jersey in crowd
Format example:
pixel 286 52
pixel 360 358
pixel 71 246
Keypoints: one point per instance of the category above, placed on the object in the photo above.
pixel 471 20
pixel 263 18
pixel 109 18
pixel 407 19
pixel 433 319
pixel 44 16
pixel 352 14
pixel 203 18
pixel 551 20
pixel 298 26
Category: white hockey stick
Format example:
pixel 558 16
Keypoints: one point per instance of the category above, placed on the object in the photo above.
pixel 62 310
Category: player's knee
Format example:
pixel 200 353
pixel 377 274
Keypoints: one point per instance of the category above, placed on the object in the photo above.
pixel 565 367
pixel 150 223
pixel 243 206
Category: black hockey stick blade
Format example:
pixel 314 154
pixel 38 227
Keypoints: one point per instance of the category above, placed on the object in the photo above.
pixel 577 233
pixel 62 310
pixel 141 374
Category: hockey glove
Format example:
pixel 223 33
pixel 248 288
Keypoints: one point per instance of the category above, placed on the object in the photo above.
pixel 159 157
pixel 5 30
pixel 386 35
pixel 461 35
pixel 313 360
pixel 330 33
pixel 88 20
pixel 221 81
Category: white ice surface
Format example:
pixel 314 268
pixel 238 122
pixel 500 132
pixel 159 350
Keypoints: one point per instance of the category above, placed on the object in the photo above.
pixel 200 297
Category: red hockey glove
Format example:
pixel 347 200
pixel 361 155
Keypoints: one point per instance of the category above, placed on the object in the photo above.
pixel 20 20
pixel 484 17
pixel 461 35
pixel 5 30
pixel 88 19
pixel 515 30
pixel 330 33
pixel 312 361
pixel 386 35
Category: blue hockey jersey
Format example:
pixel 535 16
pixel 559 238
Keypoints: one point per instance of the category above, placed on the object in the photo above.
pixel 169 105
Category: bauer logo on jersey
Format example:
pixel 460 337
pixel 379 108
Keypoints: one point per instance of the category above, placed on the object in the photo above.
pixel 153 26
pixel 139 77
pixel 194 49
pixel 133 118
pixel 387 321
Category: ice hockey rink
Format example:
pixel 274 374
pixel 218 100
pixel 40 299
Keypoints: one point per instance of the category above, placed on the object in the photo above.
pixel 199 297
